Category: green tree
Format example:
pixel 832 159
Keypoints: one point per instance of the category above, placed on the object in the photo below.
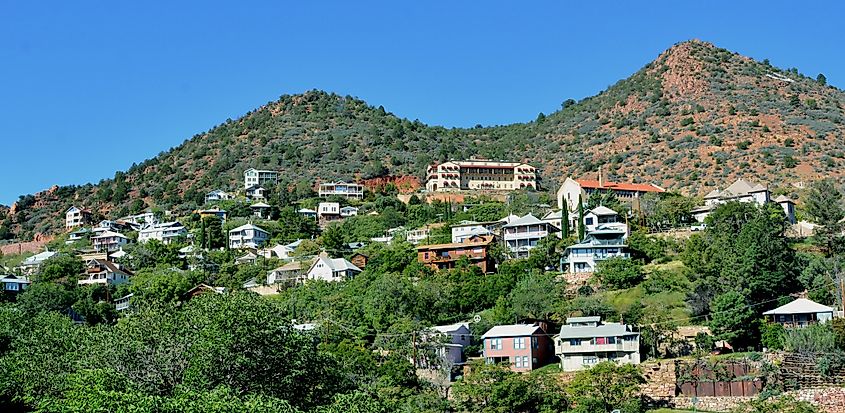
pixel 539 295
pixel 732 320
pixel 606 386
pixel 45 296
pixel 821 79
pixel 60 266
pixel 824 206
pixel 618 272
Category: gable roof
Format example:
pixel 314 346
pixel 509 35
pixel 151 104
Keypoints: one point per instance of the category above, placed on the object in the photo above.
pixel 451 328
pixel 619 186
pixel 513 330
pixel 335 264
pixel 603 210
pixel 743 187
pixel 783 198
pixel 529 219
pixel 247 226
pixel 108 265
pixel 800 306
pixel 38 258
pixel 109 234
pixel 259 205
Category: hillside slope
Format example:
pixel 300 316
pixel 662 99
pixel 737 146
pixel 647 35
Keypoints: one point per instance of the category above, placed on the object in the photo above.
pixel 696 117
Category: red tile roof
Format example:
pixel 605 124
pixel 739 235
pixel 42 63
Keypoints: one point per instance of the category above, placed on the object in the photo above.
pixel 620 186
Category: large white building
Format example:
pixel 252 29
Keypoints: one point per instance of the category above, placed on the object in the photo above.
pixel 253 177
pixel 480 175
pixel 166 232
pixel 573 189
pixel 247 236
pixel 585 341
pixel 346 190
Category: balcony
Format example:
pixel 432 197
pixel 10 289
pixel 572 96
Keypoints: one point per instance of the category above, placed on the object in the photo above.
pixel 623 346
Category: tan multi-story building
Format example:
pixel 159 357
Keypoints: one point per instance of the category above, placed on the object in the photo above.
pixel 480 175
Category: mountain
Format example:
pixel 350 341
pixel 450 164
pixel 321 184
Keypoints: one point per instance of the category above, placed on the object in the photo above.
pixel 696 117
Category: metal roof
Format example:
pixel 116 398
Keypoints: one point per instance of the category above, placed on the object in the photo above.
pixel 513 330
pixel 800 306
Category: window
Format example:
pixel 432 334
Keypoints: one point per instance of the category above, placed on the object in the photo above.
pixel 590 360
pixel 495 344
pixel 574 341
pixel 519 343
pixel 588 221
pixel 535 343
pixel 517 361
pixel 611 340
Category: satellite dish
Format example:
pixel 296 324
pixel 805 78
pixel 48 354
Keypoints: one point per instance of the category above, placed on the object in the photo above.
pixel 476 318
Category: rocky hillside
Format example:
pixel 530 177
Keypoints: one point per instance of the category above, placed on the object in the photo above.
pixel 695 117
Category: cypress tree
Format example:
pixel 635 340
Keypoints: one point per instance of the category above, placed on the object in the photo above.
pixel 564 220
pixel 580 219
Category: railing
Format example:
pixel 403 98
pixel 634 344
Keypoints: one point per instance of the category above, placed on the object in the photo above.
pixel 628 346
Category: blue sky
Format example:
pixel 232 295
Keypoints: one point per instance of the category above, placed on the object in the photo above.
pixel 89 87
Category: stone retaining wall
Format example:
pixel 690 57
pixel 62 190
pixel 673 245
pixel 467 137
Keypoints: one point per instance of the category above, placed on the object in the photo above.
pixel 709 404
pixel 829 400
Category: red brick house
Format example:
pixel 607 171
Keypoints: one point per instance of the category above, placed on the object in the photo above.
pixel 444 256
pixel 524 346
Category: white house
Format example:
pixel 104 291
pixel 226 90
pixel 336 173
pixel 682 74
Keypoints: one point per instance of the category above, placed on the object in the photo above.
pixel 585 341
pixel 332 269
pixel 255 192
pixel 103 272
pixel 109 241
pixel 260 210
pixel 452 340
pixel 604 242
pixel 603 216
pixel 31 264
pixel 468 229
pixel 14 284
pixel 217 195
pixel 346 190
pixel 348 211
pixel 247 236
pixel 77 217
pixel 146 218
pixel 743 191
pixel 166 232
pixel 521 235
pixel 256 177
pixel 328 211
